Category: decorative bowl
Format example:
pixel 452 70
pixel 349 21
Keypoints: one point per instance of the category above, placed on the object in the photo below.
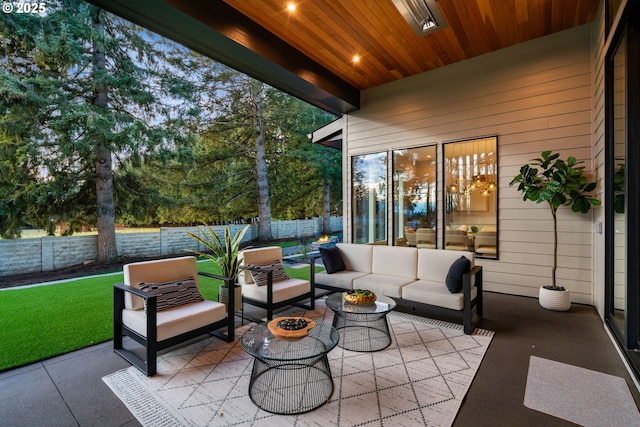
pixel 360 297
pixel 290 327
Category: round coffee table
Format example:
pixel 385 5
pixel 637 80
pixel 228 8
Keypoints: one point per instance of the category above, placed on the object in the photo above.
pixel 362 327
pixel 290 376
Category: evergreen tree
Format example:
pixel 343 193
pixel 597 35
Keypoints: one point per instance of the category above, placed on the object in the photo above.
pixel 80 89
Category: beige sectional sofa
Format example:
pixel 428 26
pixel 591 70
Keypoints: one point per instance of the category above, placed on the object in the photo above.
pixel 414 277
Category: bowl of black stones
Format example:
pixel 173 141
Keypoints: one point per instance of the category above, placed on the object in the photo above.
pixel 290 327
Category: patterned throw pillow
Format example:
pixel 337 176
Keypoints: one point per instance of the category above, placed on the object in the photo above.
pixel 260 277
pixel 173 294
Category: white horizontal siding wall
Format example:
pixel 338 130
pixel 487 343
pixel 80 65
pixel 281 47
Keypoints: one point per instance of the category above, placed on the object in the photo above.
pixel 535 96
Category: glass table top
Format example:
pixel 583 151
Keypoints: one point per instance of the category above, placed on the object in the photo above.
pixel 382 305
pixel 259 342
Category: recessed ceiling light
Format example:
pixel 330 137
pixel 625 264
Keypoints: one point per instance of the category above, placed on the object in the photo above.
pixel 356 58
pixel 291 7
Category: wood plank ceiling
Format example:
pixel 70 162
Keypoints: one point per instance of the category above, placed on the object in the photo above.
pixel 333 32
pixel 309 52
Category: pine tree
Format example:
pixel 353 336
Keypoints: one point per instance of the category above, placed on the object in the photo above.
pixel 81 89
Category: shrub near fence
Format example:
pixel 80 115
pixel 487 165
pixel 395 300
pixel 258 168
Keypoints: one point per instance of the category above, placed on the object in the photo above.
pixel 52 253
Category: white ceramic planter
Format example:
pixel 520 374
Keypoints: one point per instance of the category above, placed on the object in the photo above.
pixel 555 300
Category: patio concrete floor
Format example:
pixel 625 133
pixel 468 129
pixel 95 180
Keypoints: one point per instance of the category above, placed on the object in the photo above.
pixel 68 390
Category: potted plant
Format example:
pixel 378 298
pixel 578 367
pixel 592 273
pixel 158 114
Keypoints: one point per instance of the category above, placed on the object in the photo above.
pixel 224 254
pixel 558 183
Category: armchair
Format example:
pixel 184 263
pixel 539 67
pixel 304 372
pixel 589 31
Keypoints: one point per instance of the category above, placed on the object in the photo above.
pixel 159 305
pixel 410 235
pixel 274 289
pixel 485 243
pixel 426 238
pixel 456 240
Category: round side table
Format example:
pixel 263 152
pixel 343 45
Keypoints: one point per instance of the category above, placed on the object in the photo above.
pixel 290 376
pixel 362 327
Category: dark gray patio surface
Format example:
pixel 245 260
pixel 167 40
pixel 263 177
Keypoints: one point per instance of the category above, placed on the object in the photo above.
pixel 68 390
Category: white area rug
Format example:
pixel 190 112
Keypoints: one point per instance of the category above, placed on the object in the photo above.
pixel 579 395
pixel 420 379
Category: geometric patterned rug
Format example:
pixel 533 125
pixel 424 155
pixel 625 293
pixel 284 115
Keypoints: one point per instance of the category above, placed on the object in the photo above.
pixel 420 379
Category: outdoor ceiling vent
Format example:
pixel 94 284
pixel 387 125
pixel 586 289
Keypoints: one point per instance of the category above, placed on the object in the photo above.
pixel 423 16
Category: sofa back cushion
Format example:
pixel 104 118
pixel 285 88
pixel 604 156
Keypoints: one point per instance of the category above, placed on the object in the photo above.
pixel 356 257
pixel 256 256
pixel 434 264
pixel 395 261
pixel 157 271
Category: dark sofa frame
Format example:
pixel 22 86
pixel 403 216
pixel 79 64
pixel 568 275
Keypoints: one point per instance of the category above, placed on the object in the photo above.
pixel 469 316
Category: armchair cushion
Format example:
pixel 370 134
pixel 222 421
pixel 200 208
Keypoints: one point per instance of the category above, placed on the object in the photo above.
pixel 260 277
pixel 454 278
pixel 176 320
pixel 173 294
pixel 332 260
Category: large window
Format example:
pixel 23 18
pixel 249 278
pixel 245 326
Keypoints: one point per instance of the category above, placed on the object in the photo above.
pixel 471 196
pixel 369 198
pixel 414 197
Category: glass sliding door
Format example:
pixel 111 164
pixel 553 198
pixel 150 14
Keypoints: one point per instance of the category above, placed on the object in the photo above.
pixel 369 198
pixel 618 126
pixel 414 197
pixel 622 95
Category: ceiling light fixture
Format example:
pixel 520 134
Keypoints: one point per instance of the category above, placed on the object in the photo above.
pixel 291 7
pixel 423 16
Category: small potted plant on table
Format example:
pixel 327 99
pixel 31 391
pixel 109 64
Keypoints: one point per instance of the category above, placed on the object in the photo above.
pixel 558 183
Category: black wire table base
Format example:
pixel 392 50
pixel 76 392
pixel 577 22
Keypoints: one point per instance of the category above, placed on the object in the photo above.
pixel 287 388
pixel 362 332
pixel 290 375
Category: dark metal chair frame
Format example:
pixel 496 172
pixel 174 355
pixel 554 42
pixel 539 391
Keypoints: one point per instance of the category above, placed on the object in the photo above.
pixel 152 346
pixel 269 305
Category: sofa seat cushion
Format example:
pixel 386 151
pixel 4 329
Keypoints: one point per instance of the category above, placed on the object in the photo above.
pixel 435 293
pixel 282 290
pixel 379 284
pixel 177 320
pixel 341 279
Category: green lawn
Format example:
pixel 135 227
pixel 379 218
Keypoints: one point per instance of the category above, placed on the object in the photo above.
pixel 45 321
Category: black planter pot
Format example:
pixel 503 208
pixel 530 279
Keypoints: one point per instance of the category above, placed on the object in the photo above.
pixel 223 296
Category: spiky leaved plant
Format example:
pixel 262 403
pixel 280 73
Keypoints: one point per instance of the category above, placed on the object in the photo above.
pixel 224 254
pixel 559 183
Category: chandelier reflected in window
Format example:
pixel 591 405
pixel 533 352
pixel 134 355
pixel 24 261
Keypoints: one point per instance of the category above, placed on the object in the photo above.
pixel 471 169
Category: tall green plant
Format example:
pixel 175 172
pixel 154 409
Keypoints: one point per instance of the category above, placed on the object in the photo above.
pixel 559 183
pixel 225 253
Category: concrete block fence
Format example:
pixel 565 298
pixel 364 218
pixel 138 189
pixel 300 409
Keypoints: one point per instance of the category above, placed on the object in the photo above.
pixel 30 255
